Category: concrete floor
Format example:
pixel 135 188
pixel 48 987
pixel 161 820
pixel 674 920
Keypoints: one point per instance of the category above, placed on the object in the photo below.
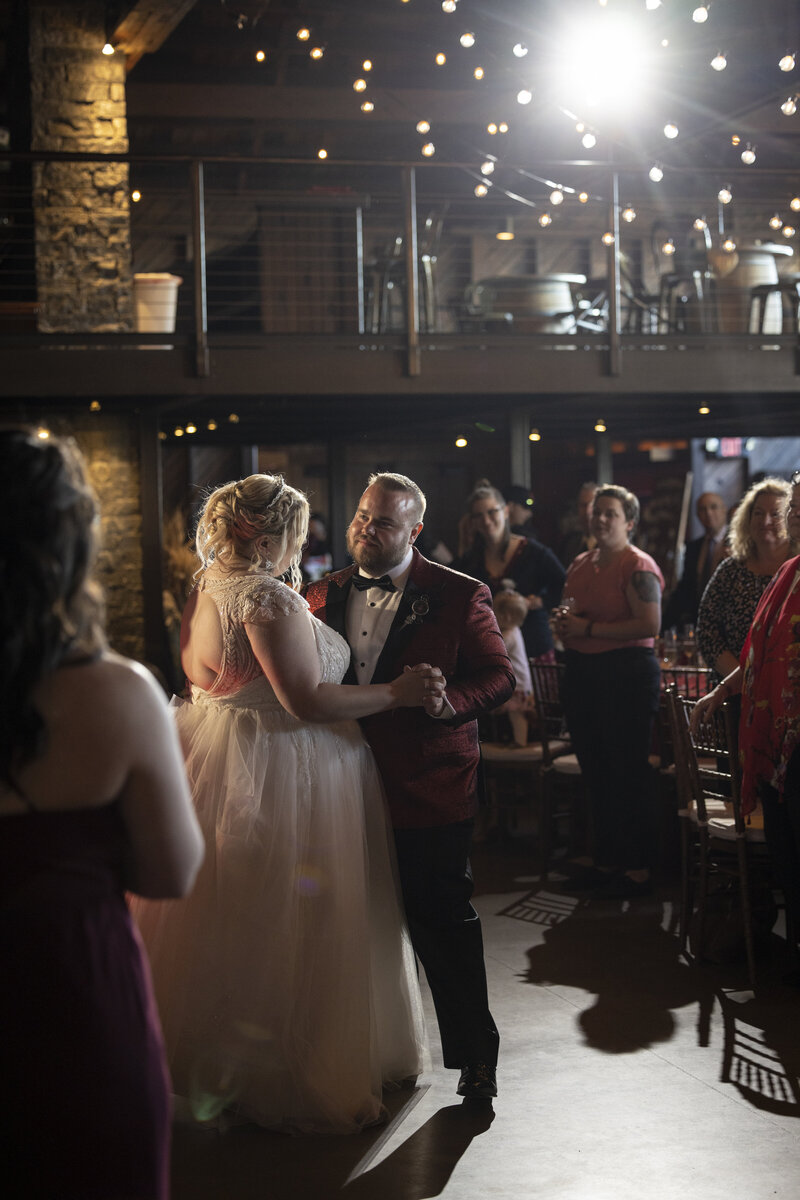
pixel 624 1074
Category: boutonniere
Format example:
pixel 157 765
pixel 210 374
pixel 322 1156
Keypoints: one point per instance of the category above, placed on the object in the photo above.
pixel 419 609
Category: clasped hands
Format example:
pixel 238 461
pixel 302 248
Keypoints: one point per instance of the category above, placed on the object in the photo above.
pixel 567 624
pixel 429 686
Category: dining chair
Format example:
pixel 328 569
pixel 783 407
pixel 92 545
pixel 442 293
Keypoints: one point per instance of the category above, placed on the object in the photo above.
pixel 563 793
pixel 718 842
pixel 691 682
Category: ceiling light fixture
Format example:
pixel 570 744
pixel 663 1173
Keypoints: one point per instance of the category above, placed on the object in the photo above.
pixel 506 231
pixel 719 62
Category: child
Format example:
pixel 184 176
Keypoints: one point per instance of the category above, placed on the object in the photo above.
pixel 511 610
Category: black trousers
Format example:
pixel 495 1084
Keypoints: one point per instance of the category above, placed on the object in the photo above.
pixel 782 835
pixel 445 929
pixel 610 701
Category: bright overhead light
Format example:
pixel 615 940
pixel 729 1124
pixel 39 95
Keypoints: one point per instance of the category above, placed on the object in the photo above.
pixel 748 155
pixel 608 239
pixel 524 96
pixel 481 190
pixel 600 425
pixel 776 221
pixel 545 219
pixel 719 62
pixel 487 167
pixel 367 106
pixel 440 59
pixel 789 231
pixel 423 126
pixel 670 130
pixel 729 245
pixel 467 40
pixel 478 73
pixel 794 204
pixel 461 442
pixel 787 62
pixel 534 436
pixel 628 214
pixel 556 196
pixel 520 50
pixel 789 106
pixel 656 173
pixel 428 150
pixel 588 141
pixel 602 64
pixel 700 15
pixel 725 195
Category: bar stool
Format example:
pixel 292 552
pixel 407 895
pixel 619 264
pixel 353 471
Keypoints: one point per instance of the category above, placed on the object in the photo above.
pixel 388 279
pixel 788 292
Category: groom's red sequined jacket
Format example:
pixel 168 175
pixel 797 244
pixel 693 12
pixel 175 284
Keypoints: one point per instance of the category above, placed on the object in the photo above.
pixel 429 767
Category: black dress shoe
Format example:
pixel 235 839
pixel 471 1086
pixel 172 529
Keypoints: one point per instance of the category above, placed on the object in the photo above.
pixel 477 1082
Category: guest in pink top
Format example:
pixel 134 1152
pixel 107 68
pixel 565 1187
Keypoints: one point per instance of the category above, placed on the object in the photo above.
pixel 611 690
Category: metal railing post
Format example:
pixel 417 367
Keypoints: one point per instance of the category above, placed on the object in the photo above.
pixel 202 363
pixel 412 277
pixel 614 286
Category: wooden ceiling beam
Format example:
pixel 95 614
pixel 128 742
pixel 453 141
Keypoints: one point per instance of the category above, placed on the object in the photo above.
pixel 147 26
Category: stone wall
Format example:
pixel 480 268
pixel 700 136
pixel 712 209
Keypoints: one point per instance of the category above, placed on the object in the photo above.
pixel 109 444
pixel 82 217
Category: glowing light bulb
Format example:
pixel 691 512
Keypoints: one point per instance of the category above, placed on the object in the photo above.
pixel 316 52
pixel 440 59
pixel 481 190
pixel 322 153
pixel 748 155
pixel 789 106
pixel 233 418
pixel 670 130
pixel 478 72
pixel 580 127
pixel 787 62
pixel 359 85
pixel 519 50
pixel 303 34
pixel 503 127
pixel 735 139
pixel 423 126
pixel 461 442
pixel 491 128
pixel 428 150
pixel 788 231
pixel 467 40
pixel 211 425
pixel 719 62
pixel 704 410
pixel 729 245
pixel 108 49
pixel 794 204
pixel 668 247
pixel 487 167
pixel 136 195
pixel 725 195
pixel 776 221
pixel 191 427
pixel 588 141
pixel 95 406
pixel 629 214
pixel 260 56
pixel 178 432
pixel 449 6
pixel 652 5
pixel 545 219
pixel 656 173
pixel 583 197
pixel 367 106
pixel 556 196
pixel 524 96
pixel 700 223
pixel 700 15
pixel 607 239
pixel 534 436
pixel 600 425
pixel 366 65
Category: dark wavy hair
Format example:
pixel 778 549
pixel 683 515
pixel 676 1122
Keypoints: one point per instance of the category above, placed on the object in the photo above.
pixel 49 608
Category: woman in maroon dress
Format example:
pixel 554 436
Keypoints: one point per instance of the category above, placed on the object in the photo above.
pixel 93 801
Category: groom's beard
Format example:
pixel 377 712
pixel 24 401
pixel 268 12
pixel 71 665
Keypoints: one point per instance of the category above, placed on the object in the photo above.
pixel 370 556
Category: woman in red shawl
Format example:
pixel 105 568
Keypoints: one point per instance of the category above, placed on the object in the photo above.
pixel 768 678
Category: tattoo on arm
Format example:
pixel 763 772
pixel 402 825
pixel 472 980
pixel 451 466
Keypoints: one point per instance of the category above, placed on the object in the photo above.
pixel 645 584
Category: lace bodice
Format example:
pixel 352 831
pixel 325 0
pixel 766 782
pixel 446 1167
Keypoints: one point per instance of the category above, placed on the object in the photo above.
pixel 258 599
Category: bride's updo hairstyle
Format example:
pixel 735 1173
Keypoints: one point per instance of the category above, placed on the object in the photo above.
pixel 49 608
pixel 237 515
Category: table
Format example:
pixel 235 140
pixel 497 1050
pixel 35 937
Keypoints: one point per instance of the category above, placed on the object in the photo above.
pixel 525 303
pixel 757 266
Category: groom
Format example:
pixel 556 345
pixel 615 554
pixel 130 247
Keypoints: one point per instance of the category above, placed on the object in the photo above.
pixel 397 609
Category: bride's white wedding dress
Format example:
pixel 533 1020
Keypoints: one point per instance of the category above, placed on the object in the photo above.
pixel 286 981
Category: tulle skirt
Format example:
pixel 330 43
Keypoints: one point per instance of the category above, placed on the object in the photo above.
pixel 286 982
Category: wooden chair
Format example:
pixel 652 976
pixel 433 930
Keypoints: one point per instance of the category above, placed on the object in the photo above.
pixel 691 682
pixel 563 795
pixel 715 836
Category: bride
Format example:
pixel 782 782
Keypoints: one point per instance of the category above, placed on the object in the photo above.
pixel 286 982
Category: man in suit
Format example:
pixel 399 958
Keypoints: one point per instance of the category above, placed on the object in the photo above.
pixel 397 609
pixel 700 560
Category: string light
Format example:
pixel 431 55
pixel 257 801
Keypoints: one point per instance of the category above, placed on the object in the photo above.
pixel 725 195
pixel 233 418
pixel 178 431
pixel 794 204
pixel 519 50
pixel 524 96
pixel 600 425
pixel 316 52
pixel 668 247
pixel 534 436
pixel 556 196
pixel 95 406
pixel 191 427
pixel 735 139
pixel 478 72
pixel 749 155
pixel 467 40
pixel 107 49
pixel 608 239
pixel 423 126
pixel 788 231
pixel 487 167
pixel 260 56
pixel 729 245
pixel 503 127
pixel 440 59
pixel 481 189
pixel 322 153
pixel 366 65
pixel 629 214
pixel 491 128
pixel 588 141
pixel 449 6
pixel 787 62
pixel 583 197
pixel 359 85
pixel 428 150
pixel 700 223
pixel 303 34
pixel 719 62
pixel 776 221
pixel 700 15
pixel 461 442
pixel 367 106
pixel 656 173
pixel 789 106
pixel 545 219
pixel 211 425
pixel 670 130
pixel 704 410
pixel 136 195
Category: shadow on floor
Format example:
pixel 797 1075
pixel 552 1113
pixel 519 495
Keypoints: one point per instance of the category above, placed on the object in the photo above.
pixel 252 1164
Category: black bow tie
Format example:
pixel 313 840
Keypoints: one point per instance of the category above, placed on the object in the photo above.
pixel 363 584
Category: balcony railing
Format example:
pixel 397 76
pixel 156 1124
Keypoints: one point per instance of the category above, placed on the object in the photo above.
pixel 230 254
